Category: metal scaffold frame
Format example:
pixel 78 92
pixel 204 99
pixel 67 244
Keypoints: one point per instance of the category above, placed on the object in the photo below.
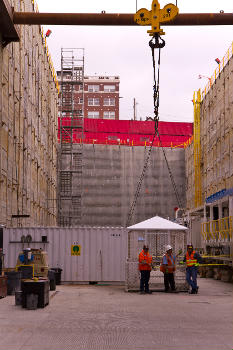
pixel 71 128
pixel 197 149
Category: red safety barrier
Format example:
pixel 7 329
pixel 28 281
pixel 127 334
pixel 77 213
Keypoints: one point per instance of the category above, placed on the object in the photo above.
pixel 125 132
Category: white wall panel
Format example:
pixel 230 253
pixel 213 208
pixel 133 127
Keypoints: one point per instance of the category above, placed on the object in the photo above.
pixel 102 257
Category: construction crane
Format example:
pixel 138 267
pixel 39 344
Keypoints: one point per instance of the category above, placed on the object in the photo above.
pixel 10 20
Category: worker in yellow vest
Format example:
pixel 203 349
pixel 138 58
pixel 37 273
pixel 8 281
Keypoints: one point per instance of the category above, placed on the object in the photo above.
pixel 145 261
pixel 192 260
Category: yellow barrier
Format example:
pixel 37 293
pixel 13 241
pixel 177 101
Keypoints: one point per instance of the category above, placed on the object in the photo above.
pixel 218 70
pixel 216 230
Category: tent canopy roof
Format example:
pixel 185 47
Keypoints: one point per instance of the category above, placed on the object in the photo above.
pixel 157 223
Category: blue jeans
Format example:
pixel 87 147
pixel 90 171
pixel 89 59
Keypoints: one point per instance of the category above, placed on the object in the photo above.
pixel 191 277
pixel 144 281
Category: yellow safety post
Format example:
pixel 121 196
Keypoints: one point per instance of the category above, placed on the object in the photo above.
pixel 197 148
pixel 156 17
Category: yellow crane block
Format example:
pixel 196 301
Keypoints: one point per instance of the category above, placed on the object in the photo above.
pixel 156 17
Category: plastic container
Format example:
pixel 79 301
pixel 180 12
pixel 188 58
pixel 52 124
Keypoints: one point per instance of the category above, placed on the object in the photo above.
pixel 13 281
pixel 3 286
pixel 40 288
pixel 52 280
pixel 32 301
pixel 18 297
pixel 58 272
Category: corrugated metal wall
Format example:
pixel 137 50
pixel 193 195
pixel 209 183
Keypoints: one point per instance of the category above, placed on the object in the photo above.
pixel 102 251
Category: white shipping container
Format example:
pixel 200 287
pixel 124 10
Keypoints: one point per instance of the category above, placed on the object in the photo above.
pixel 85 254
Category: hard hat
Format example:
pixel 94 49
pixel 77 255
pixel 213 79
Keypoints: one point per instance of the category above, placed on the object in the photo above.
pixel 168 247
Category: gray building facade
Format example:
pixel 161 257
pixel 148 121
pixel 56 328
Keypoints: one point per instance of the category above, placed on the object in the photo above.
pixel 110 175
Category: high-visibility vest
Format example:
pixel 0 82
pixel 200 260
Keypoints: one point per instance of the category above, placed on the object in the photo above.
pixel 190 260
pixel 170 267
pixel 148 260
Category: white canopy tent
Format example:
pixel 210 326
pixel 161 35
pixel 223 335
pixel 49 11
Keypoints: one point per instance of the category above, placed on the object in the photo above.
pixel 157 223
pixel 156 232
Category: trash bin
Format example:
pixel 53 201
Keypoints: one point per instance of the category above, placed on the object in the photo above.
pixel 13 281
pixel 58 272
pixel 52 280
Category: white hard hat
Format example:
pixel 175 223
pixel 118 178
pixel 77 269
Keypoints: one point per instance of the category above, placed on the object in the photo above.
pixel 168 247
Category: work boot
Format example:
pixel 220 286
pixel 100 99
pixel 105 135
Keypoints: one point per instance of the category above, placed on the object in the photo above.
pixel 142 292
pixel 149 292
pixel 193 291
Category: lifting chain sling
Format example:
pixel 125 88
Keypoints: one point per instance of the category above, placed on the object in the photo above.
pixel 155 43
pixel 155 18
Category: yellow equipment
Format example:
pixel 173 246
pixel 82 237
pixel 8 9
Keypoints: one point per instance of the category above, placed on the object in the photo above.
pixel 156 16
pixel 39 262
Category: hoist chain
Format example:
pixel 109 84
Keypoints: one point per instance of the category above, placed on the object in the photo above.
pixel 154 43
pixel 171 175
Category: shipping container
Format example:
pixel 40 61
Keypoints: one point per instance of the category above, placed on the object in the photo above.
pixel 85 254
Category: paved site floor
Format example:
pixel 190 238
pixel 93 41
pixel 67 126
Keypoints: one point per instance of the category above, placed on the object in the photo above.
pixel 83 317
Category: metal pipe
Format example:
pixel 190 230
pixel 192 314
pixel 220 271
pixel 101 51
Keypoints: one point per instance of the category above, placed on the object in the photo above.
pixel 117 19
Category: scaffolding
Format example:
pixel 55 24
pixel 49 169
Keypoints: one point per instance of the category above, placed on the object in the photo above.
pixel 71 127
pixel 197 149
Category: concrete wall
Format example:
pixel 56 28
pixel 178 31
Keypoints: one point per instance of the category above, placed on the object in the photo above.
pixel 110 178
pixel 28 123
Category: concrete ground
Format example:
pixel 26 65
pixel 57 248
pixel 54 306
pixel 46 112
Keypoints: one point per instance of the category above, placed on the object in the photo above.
pixel 83 317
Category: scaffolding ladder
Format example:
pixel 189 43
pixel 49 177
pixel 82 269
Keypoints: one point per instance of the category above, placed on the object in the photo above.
pixel 197 149
pixel 70 131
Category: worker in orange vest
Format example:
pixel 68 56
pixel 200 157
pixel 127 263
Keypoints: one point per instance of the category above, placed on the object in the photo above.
pixel 168 268
pixel 192 260
pixel 145 261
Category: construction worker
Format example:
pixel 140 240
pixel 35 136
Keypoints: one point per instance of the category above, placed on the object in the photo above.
pixel 145 261
pixel 192 260
pixel 168 268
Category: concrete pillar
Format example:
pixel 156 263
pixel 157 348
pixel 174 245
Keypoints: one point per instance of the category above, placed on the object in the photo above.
pixel 220 210
pixel 204 218
pixel 230 205
pixel 211 213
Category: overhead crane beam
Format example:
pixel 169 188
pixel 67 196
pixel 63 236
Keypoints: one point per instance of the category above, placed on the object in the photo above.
pixel 118 19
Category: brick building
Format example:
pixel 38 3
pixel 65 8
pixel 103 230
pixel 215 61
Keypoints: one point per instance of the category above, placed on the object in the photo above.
pixel 100 97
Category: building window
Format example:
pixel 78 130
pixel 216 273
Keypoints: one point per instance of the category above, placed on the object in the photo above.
pixel 80 100
pixel 109 115
pixel 93 114
pixel 93 102
pixel 109 101
pixel 93 88
pixel 109 88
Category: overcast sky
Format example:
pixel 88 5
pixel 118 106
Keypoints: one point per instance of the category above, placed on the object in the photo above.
pixel 124 51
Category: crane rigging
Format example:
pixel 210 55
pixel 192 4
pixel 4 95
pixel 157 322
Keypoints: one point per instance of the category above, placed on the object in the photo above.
pixel 155 17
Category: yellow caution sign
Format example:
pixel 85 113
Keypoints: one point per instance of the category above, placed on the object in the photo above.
pixel 76 249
